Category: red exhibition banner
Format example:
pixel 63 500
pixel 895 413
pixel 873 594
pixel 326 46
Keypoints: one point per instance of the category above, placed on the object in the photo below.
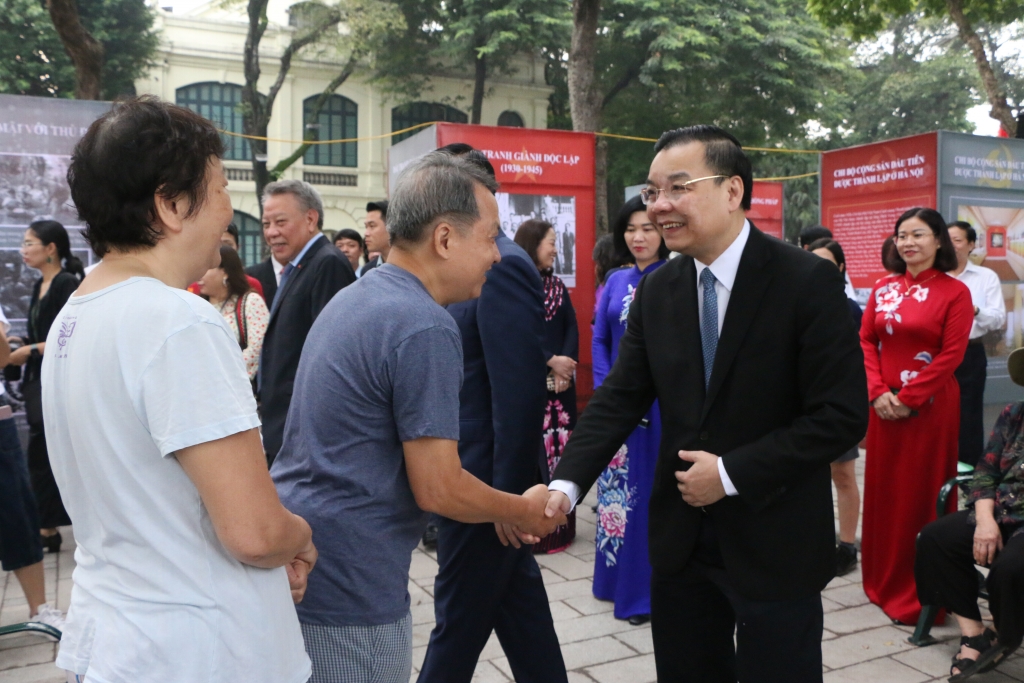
pixel 865 189
pixel 766 208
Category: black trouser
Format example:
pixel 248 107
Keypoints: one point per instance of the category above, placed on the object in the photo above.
pixel 971 378
pixel 945 574
pixel 693 617
pixel 483 586
pixel 51 507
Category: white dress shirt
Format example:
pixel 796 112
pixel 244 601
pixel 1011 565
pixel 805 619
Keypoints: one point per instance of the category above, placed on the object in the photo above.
pixel 724 268
pixel 278 269
pixel 987 295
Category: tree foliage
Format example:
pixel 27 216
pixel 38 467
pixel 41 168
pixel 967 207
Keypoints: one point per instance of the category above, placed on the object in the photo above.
pixel 33 60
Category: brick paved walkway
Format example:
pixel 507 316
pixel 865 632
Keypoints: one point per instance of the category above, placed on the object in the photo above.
pixel 860 644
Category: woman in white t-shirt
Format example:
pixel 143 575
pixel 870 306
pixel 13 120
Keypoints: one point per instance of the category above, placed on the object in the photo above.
pixel 185 554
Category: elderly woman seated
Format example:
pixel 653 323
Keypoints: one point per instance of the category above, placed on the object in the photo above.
pixel 990 534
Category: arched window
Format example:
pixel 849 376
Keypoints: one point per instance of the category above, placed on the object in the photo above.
pixel 218 102
pixel 421 112
pixel 250 238
pixel 338 120
pixel 511 118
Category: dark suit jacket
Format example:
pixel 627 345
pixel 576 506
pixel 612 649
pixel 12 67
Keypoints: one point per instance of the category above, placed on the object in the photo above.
pixel 501 406
pixel 322 272
pixel 787 396
pixel 264 272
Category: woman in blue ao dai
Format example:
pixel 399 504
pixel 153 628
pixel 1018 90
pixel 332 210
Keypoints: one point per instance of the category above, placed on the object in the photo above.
pixel 622 570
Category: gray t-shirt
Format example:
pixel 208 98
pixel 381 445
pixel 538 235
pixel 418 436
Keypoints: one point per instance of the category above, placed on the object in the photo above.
pixel 382 365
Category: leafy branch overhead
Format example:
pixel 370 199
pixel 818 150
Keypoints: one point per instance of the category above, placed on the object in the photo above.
pixel 867 17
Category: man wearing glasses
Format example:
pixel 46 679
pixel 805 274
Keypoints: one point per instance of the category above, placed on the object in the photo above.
pixel 748 345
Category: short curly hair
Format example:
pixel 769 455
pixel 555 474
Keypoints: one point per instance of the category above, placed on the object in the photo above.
pixel 140 148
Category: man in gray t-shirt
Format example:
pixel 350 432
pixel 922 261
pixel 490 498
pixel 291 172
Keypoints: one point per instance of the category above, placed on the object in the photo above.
pixel 371 441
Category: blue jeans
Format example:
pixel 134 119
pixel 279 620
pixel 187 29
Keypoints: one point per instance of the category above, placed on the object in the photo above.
pixel 20 543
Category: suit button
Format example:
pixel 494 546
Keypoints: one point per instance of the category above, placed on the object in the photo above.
pixel 703 436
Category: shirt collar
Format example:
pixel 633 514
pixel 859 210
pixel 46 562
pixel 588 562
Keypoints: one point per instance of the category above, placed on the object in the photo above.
pixel 278 266
pixel 724 267
pixel 312 240
pixel 970 267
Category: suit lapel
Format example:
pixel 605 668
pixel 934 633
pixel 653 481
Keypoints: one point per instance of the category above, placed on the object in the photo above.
pixel 289 284
pixel 752 279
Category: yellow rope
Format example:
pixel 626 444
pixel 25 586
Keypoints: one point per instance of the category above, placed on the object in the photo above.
pixel 750 149
pixel 430 123
pixel 789 177
pixel 329 142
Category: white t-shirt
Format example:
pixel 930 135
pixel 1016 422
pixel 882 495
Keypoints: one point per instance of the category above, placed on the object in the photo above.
pixel 131 374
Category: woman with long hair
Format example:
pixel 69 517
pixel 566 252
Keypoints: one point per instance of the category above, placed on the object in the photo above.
pixel 622 570
pixel 227 288
pixel 562 350
pixel 46 248
pixel 914 334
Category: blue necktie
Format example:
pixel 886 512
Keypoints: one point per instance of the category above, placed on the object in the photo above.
pixel 709 323
pixel 280 287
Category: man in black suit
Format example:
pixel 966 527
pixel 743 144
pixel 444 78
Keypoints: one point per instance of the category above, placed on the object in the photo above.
pixel 375 234
pixel 747 344
pixel 314 272
pixel 482 584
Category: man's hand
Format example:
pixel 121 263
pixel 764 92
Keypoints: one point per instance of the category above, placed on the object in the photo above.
pixel 540 520
pixel 298 572
pixel 509 534
pixel 701 484
pixel 558 503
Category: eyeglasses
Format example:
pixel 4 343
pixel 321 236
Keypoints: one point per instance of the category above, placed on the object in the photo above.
pixel 911 237
pixel 26 244
pixel 649 195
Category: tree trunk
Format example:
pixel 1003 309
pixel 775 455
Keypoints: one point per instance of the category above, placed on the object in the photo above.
pixel 479 80
pixel 584 99
pixel 996 95
pixel 254 116
pixel 86 52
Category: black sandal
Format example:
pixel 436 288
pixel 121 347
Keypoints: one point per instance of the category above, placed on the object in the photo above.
pixel 990 654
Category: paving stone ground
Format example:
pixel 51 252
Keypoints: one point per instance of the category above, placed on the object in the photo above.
pixel 860 643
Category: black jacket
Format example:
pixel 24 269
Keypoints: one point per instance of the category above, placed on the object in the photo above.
pixel 321 274
pixel 501 405
pixel 787 396
pixel 264 272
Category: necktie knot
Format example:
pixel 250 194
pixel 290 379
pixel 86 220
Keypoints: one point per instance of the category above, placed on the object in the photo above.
pixel 707 278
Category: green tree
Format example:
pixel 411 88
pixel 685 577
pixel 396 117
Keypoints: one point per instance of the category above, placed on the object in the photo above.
pixel 33 60
pixel 365 25
pixel 868 17
pixel 755 67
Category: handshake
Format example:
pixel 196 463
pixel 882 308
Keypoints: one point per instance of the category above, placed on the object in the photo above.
pixel 541 513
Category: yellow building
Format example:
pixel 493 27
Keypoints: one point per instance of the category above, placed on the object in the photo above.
pixel 199 64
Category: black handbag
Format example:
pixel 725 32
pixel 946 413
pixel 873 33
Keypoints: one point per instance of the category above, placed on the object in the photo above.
pixel 32 394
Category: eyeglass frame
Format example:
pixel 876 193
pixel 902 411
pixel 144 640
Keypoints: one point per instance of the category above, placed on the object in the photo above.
pixel 645 197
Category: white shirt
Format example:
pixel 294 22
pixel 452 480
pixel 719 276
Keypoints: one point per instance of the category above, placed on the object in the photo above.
pixel 987 295
pixel 5 327
pixel 724 268
pixel 278 269
pixel 131 374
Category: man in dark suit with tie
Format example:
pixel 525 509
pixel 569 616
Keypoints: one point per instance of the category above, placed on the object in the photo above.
pixel 747 344
pixel 314 272
pixel 487 581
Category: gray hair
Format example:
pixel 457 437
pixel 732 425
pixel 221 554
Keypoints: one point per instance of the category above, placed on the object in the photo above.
pixel 435 187
pixel 305 193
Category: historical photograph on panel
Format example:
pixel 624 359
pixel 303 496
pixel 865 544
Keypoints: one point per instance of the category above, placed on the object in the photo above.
pixel 35 186
pixel 514 209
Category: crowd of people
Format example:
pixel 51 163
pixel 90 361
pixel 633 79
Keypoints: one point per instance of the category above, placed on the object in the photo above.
pixel 346 390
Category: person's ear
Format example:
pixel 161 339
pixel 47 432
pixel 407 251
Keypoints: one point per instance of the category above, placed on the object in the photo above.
pixel 312 218
pixel 443 239
pixel 170 211
pixel 735 193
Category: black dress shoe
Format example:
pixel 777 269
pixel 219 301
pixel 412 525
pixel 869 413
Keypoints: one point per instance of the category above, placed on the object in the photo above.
pixel 846 559
pixel 430 537
pixel 639 619
pixel 52 543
